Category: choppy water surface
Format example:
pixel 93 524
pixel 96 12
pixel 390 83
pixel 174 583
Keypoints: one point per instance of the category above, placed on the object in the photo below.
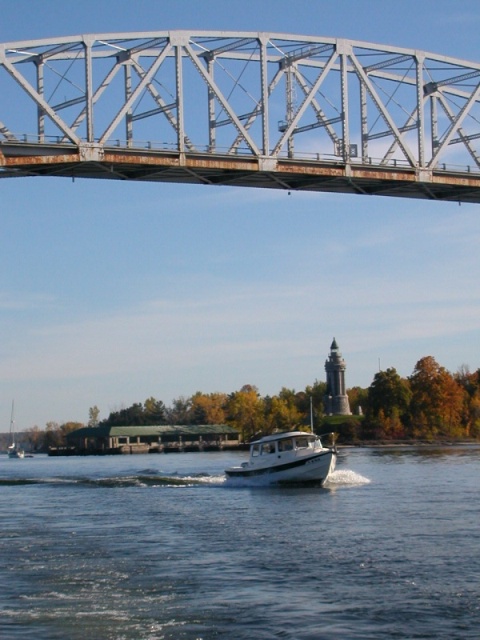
pixel 160 547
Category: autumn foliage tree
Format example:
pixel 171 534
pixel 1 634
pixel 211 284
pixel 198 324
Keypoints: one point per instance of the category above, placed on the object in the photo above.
pixel 245 412
pixel 208 408
pixel 437 402
pixel 282 412
pixel 53 436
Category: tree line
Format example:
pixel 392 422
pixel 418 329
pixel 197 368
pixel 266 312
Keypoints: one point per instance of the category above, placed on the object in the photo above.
pixel 430 405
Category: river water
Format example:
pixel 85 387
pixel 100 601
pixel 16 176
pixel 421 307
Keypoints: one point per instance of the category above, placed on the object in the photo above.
pixel 151 547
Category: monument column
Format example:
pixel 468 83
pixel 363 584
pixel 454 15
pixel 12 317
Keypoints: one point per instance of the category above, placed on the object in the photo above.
pixel 336 401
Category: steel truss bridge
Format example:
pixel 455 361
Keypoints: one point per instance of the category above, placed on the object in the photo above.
pixel 247 109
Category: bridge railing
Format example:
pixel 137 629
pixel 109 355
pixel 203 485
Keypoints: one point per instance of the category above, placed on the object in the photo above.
pixel 152 146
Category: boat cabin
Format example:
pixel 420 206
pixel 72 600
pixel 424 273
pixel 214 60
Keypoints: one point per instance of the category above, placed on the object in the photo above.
pixel 293 441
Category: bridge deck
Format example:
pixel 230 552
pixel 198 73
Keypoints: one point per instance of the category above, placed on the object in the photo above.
pixel 216 169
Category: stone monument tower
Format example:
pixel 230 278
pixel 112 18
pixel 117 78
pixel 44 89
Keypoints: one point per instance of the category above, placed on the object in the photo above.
pixel 336 400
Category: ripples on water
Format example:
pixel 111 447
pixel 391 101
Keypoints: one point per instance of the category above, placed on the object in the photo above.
pixel 163 547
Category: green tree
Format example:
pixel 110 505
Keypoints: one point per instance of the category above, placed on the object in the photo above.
pixel 470 383
pixel 153 412
pixel 389 394
pixel 317 391
pixel 180 412
pixel 130 416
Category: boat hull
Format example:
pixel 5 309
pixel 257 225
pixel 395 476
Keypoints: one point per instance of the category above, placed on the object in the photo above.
pixel 314 469
pixel 16 454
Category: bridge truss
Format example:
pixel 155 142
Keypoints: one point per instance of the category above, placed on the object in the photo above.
pixel 239 108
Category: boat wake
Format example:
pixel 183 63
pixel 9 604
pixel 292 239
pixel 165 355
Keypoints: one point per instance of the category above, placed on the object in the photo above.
pixel 122 481
pixel 346 477
pixel 339 478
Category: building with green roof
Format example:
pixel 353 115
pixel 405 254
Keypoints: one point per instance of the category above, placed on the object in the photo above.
pixel 149 439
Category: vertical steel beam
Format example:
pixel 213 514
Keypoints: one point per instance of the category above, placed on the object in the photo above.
pixel 290 107
pixel 264 97
pixel 434 122
pixel 89 89
pixel 342 48
pixel 212 130
pixel 364 121
pixel 419 59
pixel 127 74
pixel 179 100
pixel 40 111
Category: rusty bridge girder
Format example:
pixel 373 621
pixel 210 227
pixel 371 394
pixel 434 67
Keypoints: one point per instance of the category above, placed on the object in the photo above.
pixel 238 108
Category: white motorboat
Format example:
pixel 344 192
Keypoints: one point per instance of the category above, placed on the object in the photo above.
pixel 290 457
pixel 13 450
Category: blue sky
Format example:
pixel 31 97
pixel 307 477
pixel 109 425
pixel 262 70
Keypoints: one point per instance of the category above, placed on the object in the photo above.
pixel 111 292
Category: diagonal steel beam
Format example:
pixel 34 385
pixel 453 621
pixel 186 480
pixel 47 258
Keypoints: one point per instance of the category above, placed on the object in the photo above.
pixel 306 102
pixel 463 137
pixel 455 125
pixel 38 99
pixel 231 46
pixel 5 131
pixel 266 93
pixel 317 108
pixel 135 94
pixel 381 107
pixel 386 63
pixel 98 92
pixel 165 108
pixel 221 98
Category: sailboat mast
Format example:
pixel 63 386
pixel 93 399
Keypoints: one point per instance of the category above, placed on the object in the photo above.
pixel 12 423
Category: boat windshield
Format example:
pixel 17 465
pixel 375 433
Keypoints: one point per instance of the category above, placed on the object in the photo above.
pixel 262 449
pixel 303 442
pixel 285 445
pixel 268 447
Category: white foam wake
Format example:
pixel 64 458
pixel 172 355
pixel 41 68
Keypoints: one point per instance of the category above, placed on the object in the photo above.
pixel 346 477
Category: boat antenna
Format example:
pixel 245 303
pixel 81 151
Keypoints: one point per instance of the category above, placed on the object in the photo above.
pixel 311 415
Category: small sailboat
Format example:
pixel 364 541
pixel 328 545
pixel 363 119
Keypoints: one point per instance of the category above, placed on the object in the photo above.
pixel 13 450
